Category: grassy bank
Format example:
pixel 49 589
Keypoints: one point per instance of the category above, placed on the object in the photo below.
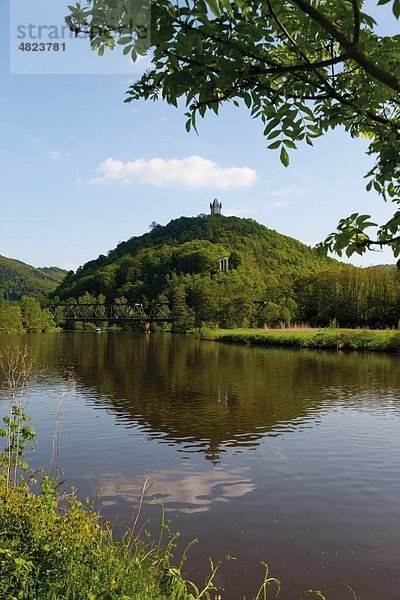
pixel 336 339
pixel 53 549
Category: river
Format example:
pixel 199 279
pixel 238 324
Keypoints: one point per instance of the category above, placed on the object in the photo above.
pixel 291 457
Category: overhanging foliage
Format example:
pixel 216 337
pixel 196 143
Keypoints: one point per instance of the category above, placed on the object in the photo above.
pixel 301 66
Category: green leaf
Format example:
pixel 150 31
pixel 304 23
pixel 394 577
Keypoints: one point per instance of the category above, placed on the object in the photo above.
pixel 29 432
pixel 275 145
pixel 127 49
pixel 284 157
pixel 273 134
pixel 227 5
pixel 273 123
pixel 125 40
pixel 213 4
pixel 314 129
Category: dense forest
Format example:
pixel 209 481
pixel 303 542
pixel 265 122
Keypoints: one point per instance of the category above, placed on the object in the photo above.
pixel 179 263
pixel 18 279
pixel 54 273
pixel 142 268
pixel 25 315
pixel 350 297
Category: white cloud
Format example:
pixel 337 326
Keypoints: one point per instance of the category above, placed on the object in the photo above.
pixel 58 155
pixel 290 190
pixel 190 173
pixel 237 212
pixel 277 204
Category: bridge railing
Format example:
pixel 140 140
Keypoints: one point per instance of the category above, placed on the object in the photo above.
pixel 132 311
pixel 157 311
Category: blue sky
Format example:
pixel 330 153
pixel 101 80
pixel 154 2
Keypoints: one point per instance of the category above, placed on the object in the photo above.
pixel 63 204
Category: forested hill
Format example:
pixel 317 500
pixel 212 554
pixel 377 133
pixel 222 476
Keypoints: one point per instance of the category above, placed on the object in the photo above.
pixel 18 279
pixel 184 255
pixel 54 273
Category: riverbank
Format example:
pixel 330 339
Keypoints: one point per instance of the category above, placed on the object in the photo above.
pixel 336 339
pixel 55 546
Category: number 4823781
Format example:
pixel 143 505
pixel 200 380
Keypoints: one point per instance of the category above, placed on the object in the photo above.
pixel 42 47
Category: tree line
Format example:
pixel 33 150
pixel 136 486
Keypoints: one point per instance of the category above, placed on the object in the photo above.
pixel 351 297
pixel 340 297
pixel 344 297
pixel 25 315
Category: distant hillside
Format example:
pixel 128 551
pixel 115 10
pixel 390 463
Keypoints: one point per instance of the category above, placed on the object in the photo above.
pixel 182 257
pixel 18 279
pixel 54 272
pixel 389 268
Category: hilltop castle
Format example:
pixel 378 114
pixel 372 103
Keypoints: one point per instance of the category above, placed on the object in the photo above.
pixel 216 207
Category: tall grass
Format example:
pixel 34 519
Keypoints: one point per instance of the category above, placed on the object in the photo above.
pixel 17 368
pixel 336 339
pixel 59 550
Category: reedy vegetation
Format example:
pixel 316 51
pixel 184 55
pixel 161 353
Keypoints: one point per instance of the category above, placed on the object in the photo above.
pixel 330 338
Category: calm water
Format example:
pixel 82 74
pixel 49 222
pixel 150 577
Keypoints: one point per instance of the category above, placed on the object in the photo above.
pixel 292 457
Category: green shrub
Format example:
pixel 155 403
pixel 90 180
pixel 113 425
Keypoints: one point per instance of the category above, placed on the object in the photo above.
pixel 57 549
pixel 49 552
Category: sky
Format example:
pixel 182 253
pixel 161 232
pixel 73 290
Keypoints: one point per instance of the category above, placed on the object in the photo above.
pixel 81 170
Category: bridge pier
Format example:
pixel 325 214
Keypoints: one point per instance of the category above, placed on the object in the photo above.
pixel 147 327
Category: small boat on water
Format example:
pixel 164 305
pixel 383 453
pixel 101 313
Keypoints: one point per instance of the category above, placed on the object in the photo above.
pixel 98 329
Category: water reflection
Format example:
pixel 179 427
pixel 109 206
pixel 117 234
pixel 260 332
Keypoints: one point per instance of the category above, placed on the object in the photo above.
pixel 287 456
pixel 187 492
pixel 206 397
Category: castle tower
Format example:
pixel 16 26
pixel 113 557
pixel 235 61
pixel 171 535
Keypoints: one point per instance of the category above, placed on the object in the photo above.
pixel 216 207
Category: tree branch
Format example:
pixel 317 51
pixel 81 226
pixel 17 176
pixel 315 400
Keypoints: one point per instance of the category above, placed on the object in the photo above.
pixel 275 66
pixel 309 66
pixel 195 63
pixel 352 50
pixel 357 21
pixel 369 243
pixel 324 83
pixel 258 71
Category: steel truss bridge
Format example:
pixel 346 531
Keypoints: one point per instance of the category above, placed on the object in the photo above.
pixel 156 311
pixel 133 312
